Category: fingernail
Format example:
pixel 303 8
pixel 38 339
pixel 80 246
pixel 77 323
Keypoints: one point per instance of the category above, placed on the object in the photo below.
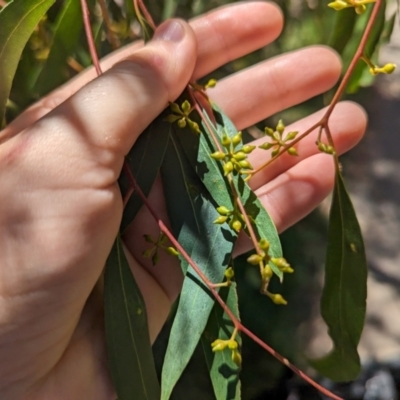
pixel 171 30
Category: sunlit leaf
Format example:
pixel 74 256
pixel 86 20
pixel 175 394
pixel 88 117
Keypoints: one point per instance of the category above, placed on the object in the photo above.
pixel 224 372
pixel 209 245
pixel 18 19
pixel 343 302
pixel 130 357
pixel 67 29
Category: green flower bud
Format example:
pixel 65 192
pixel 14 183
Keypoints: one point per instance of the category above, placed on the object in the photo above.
pixel 225 140
pixel 267 273
pixel 182 122
pixel 338 5
pixel 229 273
pixel 232 344
pixel 237 138
pixel 277 298
pixel 254 259
pixel 264 244
pixel 322 147
pixel 287 270
pixel 389 68
pixel 172 251
pixel 266 145
pixel 194 126
pixel 292 151
pixel 248 148
pixel 147 253
pixel 236 358
pixel 220 220
pixel 268 131
pixel 240 155
pixel 280 127
pixel 360 9
pixel 228 168
pixel 175 108
pixel 275 152
pixel 211 83
pixel 219 345
pixel 223 210
pixel 291 135
pixel 172 118
pixel 280 262
pixel 218 155
pixel 186 107
pixel 237 225
pixel 245 164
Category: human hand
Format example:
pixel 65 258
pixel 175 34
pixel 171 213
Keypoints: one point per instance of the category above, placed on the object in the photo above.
pixel 61 206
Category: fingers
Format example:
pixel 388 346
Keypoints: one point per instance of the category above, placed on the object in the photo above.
pixel 222 35
pixel 231 32
pixel 276 84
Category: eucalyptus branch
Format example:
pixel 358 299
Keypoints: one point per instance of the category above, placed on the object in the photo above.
pixel 211 287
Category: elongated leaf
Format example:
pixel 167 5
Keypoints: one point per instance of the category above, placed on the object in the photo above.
pixel 209 245
pixel 128 344
pixel 344 295
pixel 376 32
pixel 224 372
pixel 66 34
pixel 144 160
pixel 264 226
pixel 343 29
pixel 18 19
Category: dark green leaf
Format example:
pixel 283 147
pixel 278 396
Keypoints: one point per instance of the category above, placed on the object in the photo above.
pixel 129 351
pixel 343 300
pixel 66 34
pixel 224 372
pixel 18 19
pixel 144 160
pixel 377 29
pixel 343 29
pixel 192 212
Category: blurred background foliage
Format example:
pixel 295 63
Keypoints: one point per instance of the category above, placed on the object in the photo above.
pixel 57 51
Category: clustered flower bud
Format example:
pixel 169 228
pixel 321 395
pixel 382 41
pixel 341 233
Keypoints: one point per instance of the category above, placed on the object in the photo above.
pixel 234 160
pixel 277 141
pixel 181 116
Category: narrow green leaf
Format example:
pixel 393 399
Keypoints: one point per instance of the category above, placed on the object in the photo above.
pixel 129 351
pixel 264 227
pixel 377 29
pixel 343 302
pixel 209 245
pixel 224 372
pixel 144 160
pixel 18 19
pixel 343 29
pixel 67 29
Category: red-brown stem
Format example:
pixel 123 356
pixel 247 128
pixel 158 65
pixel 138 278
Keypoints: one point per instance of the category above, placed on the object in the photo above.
pixel 237 324
pixel 358 54
pixel 235 193
pixel 112 37
pixel 147 15
pixel 89 36
pixel 172 239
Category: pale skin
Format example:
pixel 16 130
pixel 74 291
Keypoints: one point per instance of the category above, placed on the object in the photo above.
pixel 61 206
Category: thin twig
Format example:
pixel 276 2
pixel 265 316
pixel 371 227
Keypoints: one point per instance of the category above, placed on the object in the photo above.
pixel 89 37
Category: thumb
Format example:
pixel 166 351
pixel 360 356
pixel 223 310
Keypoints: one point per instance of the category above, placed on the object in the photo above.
pixel 112 110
